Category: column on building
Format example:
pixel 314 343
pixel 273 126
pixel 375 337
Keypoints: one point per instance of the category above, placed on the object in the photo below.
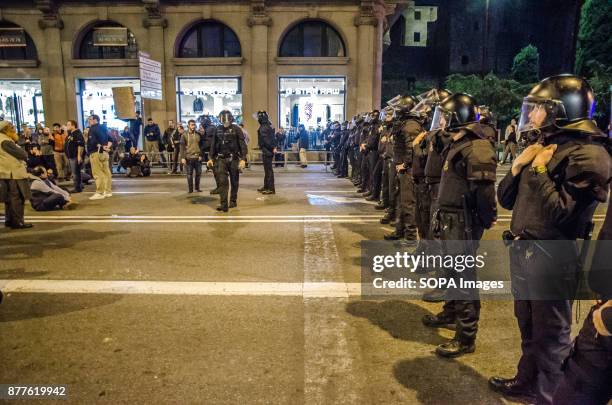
pixel 53 83
pixel 155 24
pixel 258 98
pixel 369 55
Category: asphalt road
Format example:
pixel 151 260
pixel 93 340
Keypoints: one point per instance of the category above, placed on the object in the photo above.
pixel 152 296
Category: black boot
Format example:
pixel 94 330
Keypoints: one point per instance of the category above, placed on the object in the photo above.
pixel 381 206
pixel 214 191
pixel 233 204
pixel 392 236
pixel 440 320
pixel 387 219
pixel 260 189
pixel 513 387
pixel 455 348
pixel 222 208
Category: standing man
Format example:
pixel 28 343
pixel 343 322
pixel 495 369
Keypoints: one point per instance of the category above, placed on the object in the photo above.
pixel 192 144
pixel 267 143
pixel 406 128
pixel 302 139
pixel 168 145
pixel 228 151
pixel 466 208
pixel 135 128
pixel 510 141
pixel 98 145
pixel 75 150
pixel 553 189
pixel 59 157
pixel 14 185
pixel 176 149
pixel 152 140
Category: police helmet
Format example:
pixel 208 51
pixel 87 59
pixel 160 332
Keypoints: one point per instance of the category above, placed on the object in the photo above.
pixel 559 102
pixel 454 112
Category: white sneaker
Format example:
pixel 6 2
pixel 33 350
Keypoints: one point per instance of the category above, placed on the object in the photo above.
pixel 108 194
pixel 97 196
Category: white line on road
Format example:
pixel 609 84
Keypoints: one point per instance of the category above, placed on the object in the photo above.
pixel 197 221
pixel 133 192
pixel 306 289
pixel 322 216
pixel 329 372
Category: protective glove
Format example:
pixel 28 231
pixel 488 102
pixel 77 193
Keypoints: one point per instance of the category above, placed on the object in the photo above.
pixel 241 164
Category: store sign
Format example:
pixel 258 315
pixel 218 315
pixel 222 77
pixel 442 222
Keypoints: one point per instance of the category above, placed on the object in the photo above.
pixel 307 91
pixel 150 77
pixel 110 36
pixel 12 37
pixel 220 92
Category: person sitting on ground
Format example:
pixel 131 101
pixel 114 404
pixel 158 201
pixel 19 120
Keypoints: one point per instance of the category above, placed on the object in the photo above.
pixel 36 159
pixel 46 195
pixel 136 163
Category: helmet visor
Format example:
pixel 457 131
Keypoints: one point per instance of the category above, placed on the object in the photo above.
pixel 226 117
pixel 387 114
pixel 539 114
pixel 441 119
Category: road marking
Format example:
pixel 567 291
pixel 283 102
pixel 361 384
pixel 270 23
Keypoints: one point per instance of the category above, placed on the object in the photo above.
pixel 341 200
pixel 329 372
pixel 133 192
pixel 306 289
pixel 332 191
pixel 115 216
pixel 198 221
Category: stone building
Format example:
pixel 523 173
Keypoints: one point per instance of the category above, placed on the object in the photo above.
pixel 302 61
pixel 479 36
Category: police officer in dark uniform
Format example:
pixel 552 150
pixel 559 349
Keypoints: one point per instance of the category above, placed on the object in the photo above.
pixel 344 149
pixel 552 189
pixel 374 158
pixel 357 127
pixel 228 152
pixel 267 143
pixel 385 151
pixel 466 207
pixel 406 128
pixel 588 370
pixel 366 180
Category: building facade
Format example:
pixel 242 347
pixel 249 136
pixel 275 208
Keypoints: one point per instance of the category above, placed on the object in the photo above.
pixel 303 62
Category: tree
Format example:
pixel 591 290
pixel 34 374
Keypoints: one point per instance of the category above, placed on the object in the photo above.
pixel 594 36
pixel 526 65
pixel 601 80
pixel 503 96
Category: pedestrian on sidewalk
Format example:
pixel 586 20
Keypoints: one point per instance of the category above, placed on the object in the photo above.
pixel 98 145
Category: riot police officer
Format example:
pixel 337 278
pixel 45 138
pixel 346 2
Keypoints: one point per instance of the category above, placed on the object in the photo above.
pixel 385 150
pixel 228 152
pixel 466 207
pixel 267 143
pixel 552 189
pixel 406 128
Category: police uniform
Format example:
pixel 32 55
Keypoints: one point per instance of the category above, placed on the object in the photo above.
pixel 267 143
pixel 374 162
pixel 467 187
pixel 385 150
pixel 404 134
pixel 227 149
pixel 421 189
pixel 548 206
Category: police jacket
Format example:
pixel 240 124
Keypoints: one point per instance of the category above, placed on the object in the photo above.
pixel 436 142
pixel 228 141
pixel 558 204
pixel 373 136
pixel 419 159
pixel 266 139
pixel 385 149
pixel 470 170
pixel 344 139
pixel 404 132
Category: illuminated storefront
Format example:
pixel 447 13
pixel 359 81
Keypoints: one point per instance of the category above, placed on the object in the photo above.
pixel 21 102
pixel 312 101
pixel 198 96
pixel 95 96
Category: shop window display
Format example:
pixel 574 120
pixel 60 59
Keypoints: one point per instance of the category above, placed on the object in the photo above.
pixel 21 102
pixel 199 96
pixel 96 97
pixel 312 102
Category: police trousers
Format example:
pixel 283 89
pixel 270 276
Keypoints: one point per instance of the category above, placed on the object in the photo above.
pixel 268 172
pixel 406 215
pixel 228 175
pixel 461 305
pixel 423 208
pixel 587 377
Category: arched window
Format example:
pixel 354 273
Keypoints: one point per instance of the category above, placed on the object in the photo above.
pixel 88 49
pixel 312 38
pixel 27 52
pixel 208 39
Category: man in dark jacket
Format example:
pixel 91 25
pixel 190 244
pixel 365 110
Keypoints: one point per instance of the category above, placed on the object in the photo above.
pixel 152 139
pixel 267 143
pixel 136 163
pixel 75 150
pixel 46 195
pixel 302 138
pixel 228 153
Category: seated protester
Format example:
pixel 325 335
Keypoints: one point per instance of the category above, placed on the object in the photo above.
pixel 36 159
pixel 136 163
pixel 46 195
